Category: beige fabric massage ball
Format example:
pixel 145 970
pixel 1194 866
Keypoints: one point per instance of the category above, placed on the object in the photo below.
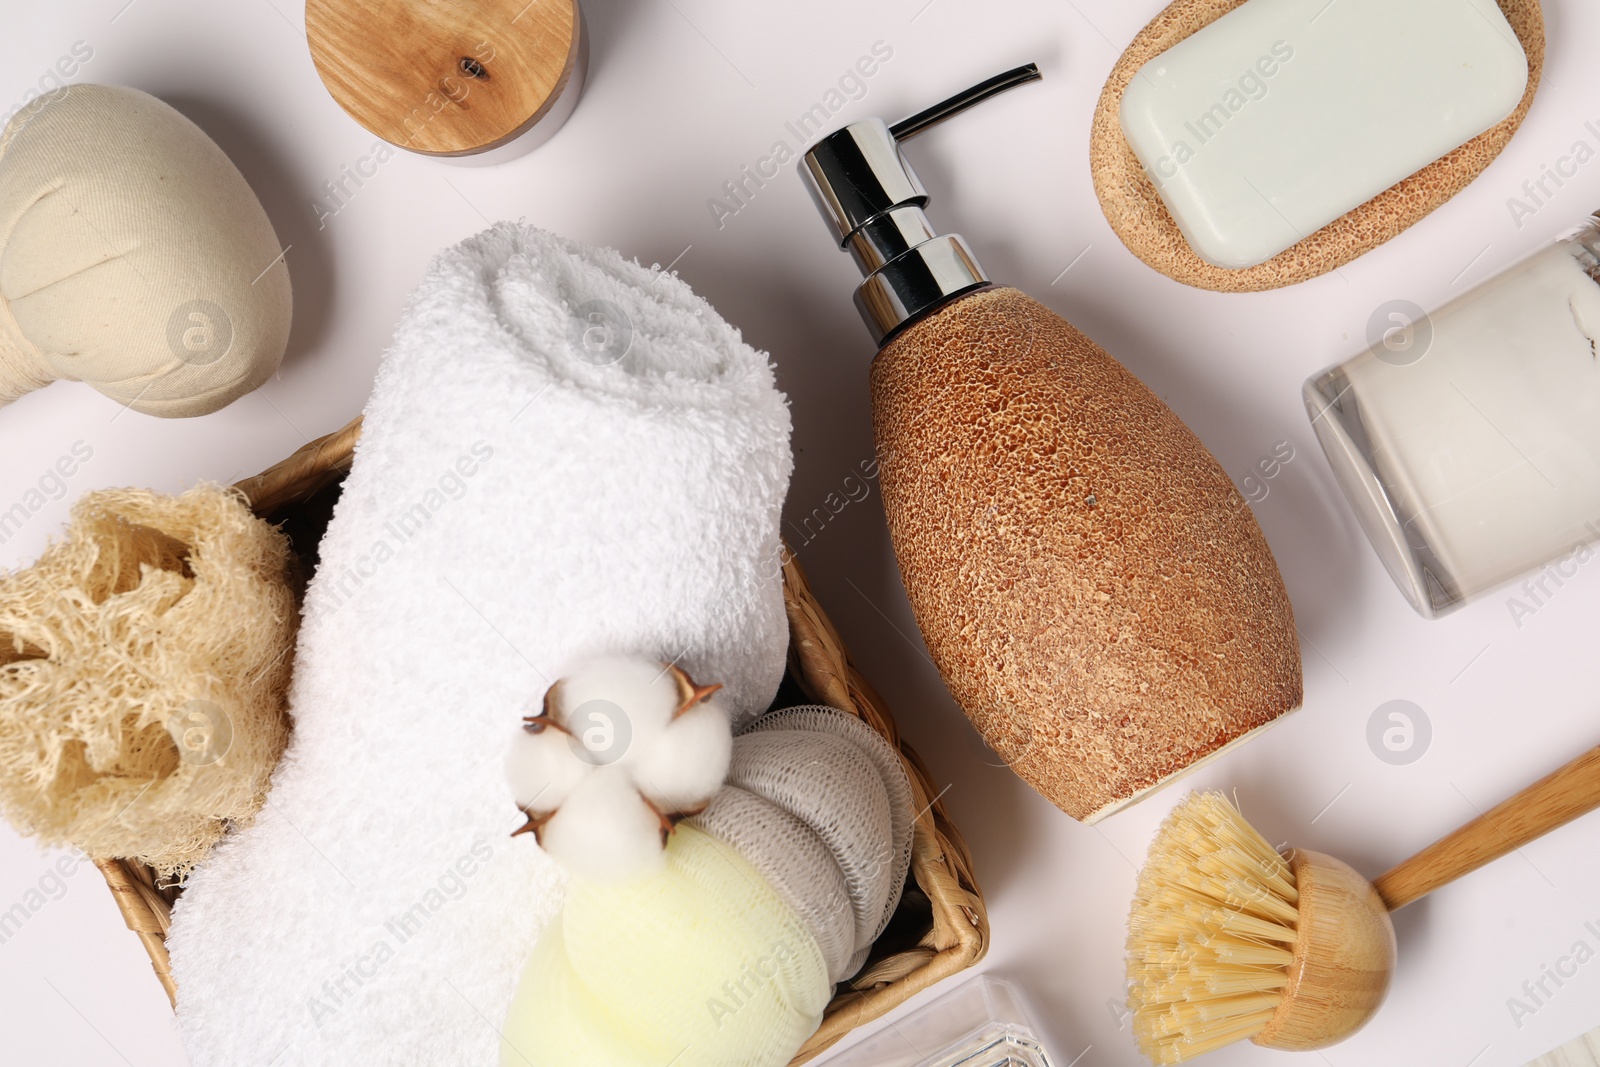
pixel 133 257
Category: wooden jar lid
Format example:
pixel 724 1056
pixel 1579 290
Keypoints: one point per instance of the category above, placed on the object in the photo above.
pixel 448 77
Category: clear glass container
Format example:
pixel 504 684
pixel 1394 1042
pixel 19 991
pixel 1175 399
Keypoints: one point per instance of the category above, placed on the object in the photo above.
pixel 1468 440
pixel 981 1023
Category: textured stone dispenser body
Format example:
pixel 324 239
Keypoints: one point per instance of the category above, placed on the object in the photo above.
pixel 1095 592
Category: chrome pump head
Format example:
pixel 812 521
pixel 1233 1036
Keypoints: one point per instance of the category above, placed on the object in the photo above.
pixel 872 200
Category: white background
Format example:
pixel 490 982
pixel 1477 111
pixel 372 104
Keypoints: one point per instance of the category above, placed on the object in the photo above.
pixel 681 94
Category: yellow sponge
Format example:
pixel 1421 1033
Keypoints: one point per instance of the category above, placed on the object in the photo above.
pixel 698 965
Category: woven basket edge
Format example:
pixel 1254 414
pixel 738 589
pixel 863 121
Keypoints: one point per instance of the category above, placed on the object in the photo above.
pixel 941 861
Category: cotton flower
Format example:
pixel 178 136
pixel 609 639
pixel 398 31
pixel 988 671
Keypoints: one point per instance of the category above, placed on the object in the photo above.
pixel 622 750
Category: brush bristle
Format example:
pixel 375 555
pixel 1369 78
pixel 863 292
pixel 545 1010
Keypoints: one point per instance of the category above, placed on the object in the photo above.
pixel 1212 933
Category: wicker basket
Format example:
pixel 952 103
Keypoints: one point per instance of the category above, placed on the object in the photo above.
pixel 941 926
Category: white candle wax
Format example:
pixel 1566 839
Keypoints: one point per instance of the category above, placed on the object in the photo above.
pixel 1488 446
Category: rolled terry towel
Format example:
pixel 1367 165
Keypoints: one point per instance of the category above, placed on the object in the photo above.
pixel 565 454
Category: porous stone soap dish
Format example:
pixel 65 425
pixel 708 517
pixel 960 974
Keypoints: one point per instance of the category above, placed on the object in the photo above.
pixel 1318 115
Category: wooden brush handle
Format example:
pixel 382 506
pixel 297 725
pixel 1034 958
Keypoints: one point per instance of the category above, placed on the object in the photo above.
pixel 1552 801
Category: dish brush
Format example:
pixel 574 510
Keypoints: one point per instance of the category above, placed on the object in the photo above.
pixel 1229 940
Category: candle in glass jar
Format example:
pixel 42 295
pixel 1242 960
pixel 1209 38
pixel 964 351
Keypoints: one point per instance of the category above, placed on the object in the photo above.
pixel 1469 442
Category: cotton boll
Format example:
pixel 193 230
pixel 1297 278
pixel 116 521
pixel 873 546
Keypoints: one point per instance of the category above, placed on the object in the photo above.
pixel 687 764
pixel 620 678
pixel 628 746
pixel 605 831
pixel 543 768
pixel 629 698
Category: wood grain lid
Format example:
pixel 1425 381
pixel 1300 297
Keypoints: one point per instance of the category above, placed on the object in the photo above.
pixel 1134 208
pixel 445 78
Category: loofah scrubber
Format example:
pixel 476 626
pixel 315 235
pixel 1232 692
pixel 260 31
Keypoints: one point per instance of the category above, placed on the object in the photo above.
pixel 143 664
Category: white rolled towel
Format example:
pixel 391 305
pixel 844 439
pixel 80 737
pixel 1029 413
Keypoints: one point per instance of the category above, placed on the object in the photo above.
pixel 565 454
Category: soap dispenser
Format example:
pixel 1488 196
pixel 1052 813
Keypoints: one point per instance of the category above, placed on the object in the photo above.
pixel 1095 592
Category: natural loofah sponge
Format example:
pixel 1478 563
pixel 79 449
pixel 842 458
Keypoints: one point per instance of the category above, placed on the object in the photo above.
pixel 143 664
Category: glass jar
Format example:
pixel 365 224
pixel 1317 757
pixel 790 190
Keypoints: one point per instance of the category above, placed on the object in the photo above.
pixel 1468 440
pixel 981 1023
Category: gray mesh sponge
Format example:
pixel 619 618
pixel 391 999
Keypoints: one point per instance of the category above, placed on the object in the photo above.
pixel 827 783
pixel 819 803
pixel 795 862
pixel 820 718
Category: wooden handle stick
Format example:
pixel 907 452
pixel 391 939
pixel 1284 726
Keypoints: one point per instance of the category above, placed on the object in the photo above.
pixel 1551 802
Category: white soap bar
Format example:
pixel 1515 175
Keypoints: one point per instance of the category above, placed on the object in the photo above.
pixel 1283 115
